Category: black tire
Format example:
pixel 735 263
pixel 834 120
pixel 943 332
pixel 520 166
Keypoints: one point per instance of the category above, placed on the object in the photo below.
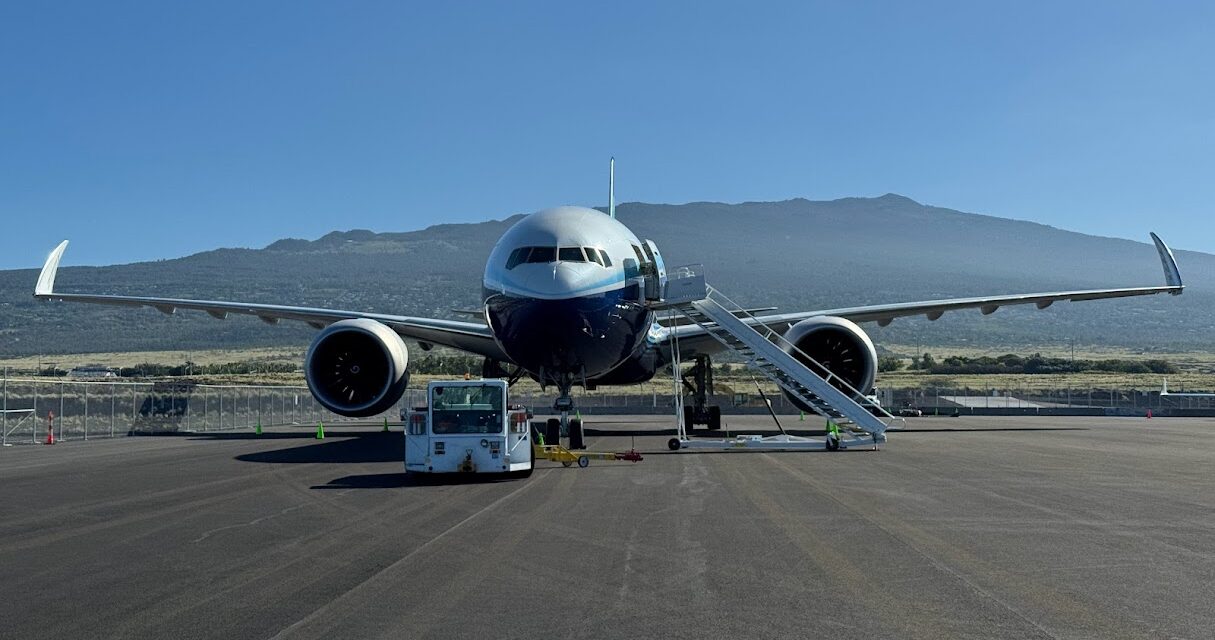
pixel 832 444
pixel 673 444
pixel 714 418
pixel 583 461
pixel 576 434
pixel 688 423
pixel 552 431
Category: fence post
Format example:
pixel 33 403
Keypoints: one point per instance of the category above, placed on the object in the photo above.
pixel 113 405
pixel 34 426
pixel 86 411
pixel 4 429
pixel 60 414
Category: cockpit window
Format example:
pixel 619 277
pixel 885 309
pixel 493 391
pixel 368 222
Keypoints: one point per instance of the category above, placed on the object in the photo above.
pixel 543 254
pixel 524 255
pixel 571 254
pixel 593 255
pixel 517 257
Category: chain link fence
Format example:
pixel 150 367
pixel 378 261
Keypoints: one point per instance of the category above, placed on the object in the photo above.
pixel 105 409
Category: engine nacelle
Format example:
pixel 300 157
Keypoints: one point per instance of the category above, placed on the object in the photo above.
pixel 840 346
pixel 357 368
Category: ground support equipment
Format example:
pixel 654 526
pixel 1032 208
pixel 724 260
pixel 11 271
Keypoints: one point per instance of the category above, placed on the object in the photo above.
pixel 558 453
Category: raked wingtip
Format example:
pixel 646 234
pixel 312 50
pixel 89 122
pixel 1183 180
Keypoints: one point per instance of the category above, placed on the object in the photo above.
pixel 46 279
pixel 1172 276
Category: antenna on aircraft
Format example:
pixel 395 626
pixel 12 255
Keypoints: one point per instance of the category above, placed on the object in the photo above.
pixel 612 188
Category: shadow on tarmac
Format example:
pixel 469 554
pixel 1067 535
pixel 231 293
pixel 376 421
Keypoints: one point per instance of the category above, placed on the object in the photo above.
pixel 982 429
pixel 342 448
pixel 405 480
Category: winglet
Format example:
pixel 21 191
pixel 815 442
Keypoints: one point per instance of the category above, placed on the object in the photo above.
pixel 1172 276
pixel 46 279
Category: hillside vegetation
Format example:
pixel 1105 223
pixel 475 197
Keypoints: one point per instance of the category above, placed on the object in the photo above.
pixel 795 255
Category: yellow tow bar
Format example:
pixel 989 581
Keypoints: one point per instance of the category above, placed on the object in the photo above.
pixel 558 453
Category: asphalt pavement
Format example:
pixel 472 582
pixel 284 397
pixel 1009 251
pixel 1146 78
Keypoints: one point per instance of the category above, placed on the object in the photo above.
pixel 958 527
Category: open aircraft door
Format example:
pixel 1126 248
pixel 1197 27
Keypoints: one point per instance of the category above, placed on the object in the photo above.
pixel 656 282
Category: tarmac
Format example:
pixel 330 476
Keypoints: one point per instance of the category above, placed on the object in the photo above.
pixel 983 527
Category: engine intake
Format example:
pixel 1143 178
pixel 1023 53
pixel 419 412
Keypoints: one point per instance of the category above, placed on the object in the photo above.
pixel 840 346
pixel 357 368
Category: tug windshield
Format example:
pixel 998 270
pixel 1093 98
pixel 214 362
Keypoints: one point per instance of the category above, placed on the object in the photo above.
pixel 466 409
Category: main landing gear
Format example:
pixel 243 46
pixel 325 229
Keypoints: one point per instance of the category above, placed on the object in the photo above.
pixel 701 387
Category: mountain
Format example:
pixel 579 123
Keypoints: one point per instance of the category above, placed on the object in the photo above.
pixel 795 254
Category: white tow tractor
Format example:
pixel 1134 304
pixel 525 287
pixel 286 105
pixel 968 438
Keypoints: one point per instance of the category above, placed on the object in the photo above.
pixel 468 427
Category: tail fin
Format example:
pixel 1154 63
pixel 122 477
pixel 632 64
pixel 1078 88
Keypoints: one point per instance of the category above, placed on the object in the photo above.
pixel 612 188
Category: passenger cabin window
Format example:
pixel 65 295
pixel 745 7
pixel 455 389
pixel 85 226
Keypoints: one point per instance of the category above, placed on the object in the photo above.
pixel 571 254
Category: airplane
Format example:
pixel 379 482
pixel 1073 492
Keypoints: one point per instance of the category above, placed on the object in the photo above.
pixel 570 298
pixel 1164 392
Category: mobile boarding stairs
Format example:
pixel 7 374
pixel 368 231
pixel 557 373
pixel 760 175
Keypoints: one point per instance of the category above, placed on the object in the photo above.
pixel 861 421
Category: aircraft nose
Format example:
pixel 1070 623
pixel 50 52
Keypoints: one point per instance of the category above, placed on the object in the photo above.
pixel 566 277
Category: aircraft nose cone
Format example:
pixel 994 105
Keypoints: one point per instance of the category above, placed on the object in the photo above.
pixel 566 277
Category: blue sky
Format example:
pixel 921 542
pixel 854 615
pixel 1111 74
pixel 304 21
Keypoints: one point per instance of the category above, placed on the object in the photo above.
pixel 154 130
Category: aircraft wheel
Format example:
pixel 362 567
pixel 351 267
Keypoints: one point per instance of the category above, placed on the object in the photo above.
pixel 714 418
pixel 673 444
pixel 575 434
pixel 583 461
pixel 688 423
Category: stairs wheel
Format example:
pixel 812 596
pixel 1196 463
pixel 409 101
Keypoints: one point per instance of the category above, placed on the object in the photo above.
pixel 714 418
pixel 673 444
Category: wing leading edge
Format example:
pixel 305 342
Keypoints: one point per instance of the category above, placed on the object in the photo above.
pixel 884 314
pixel 465 336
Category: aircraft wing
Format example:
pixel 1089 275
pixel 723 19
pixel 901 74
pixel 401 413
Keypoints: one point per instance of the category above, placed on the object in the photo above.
pixel 472 337
pixel 693 339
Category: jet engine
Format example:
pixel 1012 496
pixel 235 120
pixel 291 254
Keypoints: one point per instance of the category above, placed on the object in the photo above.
pixel 357 368
pixel 839 346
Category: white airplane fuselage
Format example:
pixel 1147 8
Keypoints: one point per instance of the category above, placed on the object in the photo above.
pixel 561 296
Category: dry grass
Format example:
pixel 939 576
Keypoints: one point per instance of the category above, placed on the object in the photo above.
pixel 1198 371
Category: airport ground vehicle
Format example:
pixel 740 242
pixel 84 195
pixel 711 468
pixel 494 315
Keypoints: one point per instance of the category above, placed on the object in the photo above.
pixel 467 426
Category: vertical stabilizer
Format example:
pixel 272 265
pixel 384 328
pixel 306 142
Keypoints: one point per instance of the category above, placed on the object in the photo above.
pixel 612 188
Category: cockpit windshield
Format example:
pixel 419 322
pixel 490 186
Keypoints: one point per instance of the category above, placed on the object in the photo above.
pixel 527 255
pixel 571 254
pixel 465 409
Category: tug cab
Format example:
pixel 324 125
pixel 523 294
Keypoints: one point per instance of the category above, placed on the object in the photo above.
pixel 468 426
